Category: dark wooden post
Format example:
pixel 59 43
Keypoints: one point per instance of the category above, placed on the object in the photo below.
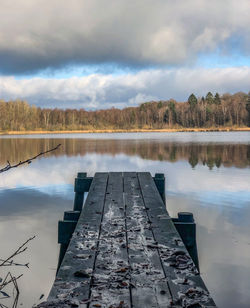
pixel 159 180
pixel 65 231
pixel 82 185
pixel 79 196
pixel 186 227
pixel 67 226
pixel 71 215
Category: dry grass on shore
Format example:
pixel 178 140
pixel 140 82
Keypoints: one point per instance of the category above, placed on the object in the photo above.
pixel 170 130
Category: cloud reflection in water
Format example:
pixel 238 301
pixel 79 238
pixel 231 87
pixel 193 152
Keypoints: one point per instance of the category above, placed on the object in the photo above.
pixel 33 198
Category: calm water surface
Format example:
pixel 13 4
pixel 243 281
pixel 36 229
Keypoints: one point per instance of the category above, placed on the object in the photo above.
pixel 207 174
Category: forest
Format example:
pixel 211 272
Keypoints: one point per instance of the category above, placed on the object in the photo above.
pixel 209 111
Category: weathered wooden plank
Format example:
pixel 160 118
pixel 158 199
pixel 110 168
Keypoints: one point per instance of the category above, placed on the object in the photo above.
pixel 150 288
pixel 186 286
pixel 125 252
pixel 110 286
pixel 72 284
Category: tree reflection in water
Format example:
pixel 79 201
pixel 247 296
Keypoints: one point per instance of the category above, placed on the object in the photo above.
pixel 209 154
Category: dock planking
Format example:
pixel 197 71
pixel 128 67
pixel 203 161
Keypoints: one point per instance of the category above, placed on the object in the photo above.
pixel 147 275
pixel 125 251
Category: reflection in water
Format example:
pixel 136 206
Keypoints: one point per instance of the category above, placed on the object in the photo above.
pixel 211 155
pixel 216 189
pixel 27 212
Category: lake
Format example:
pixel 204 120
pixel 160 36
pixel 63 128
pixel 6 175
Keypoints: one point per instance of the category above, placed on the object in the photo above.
pixel 206 173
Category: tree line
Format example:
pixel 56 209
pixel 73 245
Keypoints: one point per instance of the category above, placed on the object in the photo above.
pixel 203 112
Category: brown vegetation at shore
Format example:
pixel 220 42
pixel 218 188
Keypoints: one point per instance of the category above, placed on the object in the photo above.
pixel 170 130
pixel 210 113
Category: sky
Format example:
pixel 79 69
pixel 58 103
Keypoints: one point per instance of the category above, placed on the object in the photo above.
pixel 96 54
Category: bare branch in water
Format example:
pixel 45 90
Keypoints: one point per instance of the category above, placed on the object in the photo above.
pixel 10 263
pixel 19 250
pixel 27 161
pixel 9 279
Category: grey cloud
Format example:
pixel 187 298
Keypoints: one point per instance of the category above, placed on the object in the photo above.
pixel 104 91
pixel 39 34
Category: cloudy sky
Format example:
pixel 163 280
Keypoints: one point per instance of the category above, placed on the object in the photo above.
pixel 98 54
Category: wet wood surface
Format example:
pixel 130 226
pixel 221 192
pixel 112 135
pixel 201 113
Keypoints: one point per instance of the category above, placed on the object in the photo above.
pixel 126 252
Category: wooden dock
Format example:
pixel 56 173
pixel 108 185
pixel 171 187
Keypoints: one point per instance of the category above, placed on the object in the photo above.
pixel 125 250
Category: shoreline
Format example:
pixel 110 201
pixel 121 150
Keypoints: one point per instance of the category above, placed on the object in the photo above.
pixel 163 130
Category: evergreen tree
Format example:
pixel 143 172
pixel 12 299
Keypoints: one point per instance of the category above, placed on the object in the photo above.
pixel 217 100
pixel 192 100
pixel 160 105
pixel 209 98
pixel 166 116
pixel 171 107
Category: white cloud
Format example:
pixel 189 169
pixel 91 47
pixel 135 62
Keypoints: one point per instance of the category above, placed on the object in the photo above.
pixel 103 91
pixel 39 34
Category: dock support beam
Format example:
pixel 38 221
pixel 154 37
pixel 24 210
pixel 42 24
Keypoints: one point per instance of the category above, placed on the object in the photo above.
pixel 159 180
pixel 186 228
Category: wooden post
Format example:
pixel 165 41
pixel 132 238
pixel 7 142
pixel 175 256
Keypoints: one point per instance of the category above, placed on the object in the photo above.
pixel 65 231
pixel 67 226
pixel 81 175
pixel 186 228
pixel 79 196
pixel 159 180
pixel 71 215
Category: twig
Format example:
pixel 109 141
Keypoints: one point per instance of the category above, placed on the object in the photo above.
pixel 27 161
pixel 9 278
pixel 6 282
pixel 19 250
pixel 10 263
pixel 12 280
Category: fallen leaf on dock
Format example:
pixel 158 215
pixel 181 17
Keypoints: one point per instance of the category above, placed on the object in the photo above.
pixel 81 274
